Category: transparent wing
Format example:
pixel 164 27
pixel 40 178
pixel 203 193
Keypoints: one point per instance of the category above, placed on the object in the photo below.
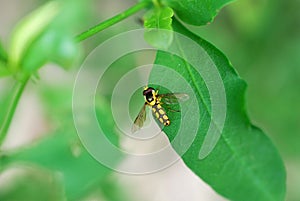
pixel 173 98
pixel 139 120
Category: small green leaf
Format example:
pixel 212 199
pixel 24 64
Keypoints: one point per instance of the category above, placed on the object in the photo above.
pixel 244 164
pixel 158 23
pixel 196 12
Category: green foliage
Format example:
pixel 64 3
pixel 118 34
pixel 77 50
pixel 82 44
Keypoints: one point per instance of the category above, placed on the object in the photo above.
pixel 61 151
pixel 156 22
pixel 244 162
pixel 195 12
pixel 28 30
pixel 47 35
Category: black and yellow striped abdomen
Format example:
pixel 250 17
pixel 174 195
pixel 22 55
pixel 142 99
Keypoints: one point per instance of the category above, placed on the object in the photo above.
pixel 160 114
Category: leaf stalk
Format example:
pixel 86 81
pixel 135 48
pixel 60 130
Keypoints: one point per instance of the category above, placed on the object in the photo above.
pixel 111 21
pixel 16 95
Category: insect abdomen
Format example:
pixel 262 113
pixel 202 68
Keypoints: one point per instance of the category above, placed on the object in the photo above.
pixel 160 114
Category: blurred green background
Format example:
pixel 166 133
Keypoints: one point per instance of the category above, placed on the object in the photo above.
pixel 261 38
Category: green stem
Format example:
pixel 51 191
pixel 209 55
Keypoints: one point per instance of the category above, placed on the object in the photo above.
pixel 16 94
pixel 109 22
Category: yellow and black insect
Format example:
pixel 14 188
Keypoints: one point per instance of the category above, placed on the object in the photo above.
pixel 155 100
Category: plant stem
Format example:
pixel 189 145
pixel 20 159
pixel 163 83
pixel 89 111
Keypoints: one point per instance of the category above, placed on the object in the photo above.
pixel 109 22
pixel 16 94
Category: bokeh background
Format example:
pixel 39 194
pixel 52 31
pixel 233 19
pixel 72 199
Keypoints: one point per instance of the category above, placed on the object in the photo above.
pixel 261 38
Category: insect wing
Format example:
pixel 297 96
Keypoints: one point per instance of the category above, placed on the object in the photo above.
pixel 173 98
pixel 139 120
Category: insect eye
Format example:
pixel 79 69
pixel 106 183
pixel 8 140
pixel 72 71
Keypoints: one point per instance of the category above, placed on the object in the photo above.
pixel 149 97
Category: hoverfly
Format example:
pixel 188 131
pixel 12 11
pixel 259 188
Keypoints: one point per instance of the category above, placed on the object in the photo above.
pixel 155 100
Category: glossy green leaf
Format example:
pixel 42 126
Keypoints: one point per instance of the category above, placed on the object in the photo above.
pixel 156 21
pixel 196 12
pixel 244 164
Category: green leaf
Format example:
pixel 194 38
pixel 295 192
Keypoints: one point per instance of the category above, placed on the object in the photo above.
pixel 196 12
pixel 244 164
pixel 156 22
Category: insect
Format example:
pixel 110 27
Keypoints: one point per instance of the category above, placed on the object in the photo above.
pixel 155 101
